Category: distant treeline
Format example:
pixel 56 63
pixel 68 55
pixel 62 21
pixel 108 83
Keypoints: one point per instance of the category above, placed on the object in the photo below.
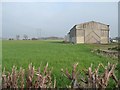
pixel 42 38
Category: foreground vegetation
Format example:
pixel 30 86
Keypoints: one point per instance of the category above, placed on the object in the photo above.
pixel 32 78
pixel 57 54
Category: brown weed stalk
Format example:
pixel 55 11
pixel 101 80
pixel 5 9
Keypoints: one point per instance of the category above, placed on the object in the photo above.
pixel 30 79
pixel 93 79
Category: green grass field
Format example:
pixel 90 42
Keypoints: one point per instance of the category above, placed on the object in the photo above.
pixel 57 54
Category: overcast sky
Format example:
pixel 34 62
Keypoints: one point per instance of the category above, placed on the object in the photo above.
pixel 55 18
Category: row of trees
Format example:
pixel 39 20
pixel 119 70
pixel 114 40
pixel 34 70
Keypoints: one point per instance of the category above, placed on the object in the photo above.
pixel 25 37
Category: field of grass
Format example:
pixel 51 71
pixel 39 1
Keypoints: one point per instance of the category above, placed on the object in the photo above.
pixel 57 54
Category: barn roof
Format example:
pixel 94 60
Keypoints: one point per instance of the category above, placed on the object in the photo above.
pixel 93 22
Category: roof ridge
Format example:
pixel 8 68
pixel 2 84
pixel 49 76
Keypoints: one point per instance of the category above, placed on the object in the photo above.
pixel 92 21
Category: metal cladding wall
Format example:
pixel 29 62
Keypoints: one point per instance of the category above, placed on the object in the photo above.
pixel 80 36
pixel 73 35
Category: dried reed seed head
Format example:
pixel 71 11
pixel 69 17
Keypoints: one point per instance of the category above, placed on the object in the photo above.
pixel 62 70
pixel 45 69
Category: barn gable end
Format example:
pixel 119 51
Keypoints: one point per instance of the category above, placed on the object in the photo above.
pixel 90 32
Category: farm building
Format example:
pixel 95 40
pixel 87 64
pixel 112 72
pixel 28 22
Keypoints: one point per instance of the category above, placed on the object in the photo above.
pixel 67 37
pixel 89 32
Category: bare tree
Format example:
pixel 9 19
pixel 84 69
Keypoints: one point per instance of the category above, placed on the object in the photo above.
pixel 17 37
pixel 25 37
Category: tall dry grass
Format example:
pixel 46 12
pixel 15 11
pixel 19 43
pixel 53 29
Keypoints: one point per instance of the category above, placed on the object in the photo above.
pixel 93 78
pixel 30 79
pixel 34 78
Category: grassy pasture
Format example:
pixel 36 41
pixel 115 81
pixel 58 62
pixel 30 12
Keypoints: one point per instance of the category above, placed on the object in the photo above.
pixel 57 54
